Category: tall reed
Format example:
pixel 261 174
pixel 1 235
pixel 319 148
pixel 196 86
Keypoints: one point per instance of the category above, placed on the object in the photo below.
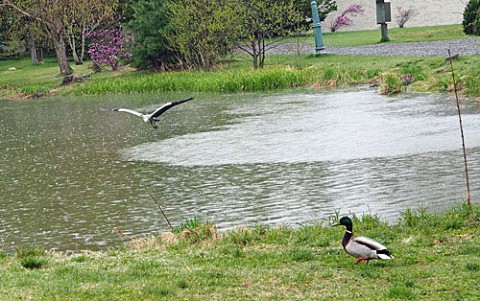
pixel 461 130
pixel 199 81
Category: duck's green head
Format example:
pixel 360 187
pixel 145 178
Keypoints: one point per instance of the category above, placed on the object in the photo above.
pixel 347 222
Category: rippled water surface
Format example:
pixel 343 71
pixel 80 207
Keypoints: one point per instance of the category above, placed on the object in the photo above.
pixel 71 171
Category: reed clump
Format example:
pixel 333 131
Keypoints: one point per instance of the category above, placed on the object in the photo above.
pixel 199 81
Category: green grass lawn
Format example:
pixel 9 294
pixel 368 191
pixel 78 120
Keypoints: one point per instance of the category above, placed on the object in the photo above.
pixel 396 35
pixel 436 258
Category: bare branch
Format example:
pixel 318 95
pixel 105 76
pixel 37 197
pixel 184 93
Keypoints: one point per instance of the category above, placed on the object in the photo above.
pixel 24 12
pixel 245 49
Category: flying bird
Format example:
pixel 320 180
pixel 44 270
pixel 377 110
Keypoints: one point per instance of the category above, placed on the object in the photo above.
pixel 153 117
pixel 363 248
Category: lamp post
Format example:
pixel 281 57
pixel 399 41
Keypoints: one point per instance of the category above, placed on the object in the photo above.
pixel 317 28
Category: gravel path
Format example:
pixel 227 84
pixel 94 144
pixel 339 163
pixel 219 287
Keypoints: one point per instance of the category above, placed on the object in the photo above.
pixel 434 48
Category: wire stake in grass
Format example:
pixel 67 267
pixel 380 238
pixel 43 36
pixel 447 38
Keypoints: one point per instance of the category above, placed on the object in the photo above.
pixel 461 131
pixel 160 208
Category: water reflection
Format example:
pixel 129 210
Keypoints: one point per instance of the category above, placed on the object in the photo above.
pixel 72 172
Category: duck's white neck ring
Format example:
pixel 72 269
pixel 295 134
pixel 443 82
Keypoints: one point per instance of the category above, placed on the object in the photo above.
pixel 348 231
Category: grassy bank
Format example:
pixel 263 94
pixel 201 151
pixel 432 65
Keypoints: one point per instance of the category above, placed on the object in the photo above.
pixel 283 72
pixel 436 259
pixel 307 71
pixel 235 74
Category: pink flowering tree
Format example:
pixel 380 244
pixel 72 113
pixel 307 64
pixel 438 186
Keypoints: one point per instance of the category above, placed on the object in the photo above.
pixel 343 19
pixel 109 47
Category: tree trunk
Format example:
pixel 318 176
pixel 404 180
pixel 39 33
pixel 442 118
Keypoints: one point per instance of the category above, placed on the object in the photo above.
pixel 82 51
pixel 78 59
pixel 262 53
pixel 33 49
pixel 61 53
pixel 33 55
pixel 255 55
pixel 40 55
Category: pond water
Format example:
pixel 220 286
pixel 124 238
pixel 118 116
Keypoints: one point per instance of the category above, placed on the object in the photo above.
pixel 71 171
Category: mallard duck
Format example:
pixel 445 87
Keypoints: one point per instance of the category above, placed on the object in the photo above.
pixel 363 248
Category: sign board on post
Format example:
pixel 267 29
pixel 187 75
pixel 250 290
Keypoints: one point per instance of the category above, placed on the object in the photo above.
pixel 384 13
pixel 388 12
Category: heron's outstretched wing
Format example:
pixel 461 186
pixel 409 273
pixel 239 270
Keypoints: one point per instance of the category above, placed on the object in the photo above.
pixel 167 106
pixel 128 111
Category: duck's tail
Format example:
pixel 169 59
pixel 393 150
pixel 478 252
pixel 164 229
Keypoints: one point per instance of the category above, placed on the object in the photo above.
pixel 384 254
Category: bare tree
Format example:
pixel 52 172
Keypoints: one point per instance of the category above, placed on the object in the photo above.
pixel 262 20
pixel 404 15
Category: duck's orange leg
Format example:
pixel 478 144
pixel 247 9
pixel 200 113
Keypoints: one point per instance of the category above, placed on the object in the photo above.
pixel 362 258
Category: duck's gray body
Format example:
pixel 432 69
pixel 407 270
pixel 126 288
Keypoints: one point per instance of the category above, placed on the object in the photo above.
pixel 361 247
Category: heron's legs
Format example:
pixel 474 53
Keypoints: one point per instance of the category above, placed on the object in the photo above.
pixel 152 122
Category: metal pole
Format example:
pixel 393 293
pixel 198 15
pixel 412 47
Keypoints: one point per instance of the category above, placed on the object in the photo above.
pixel 317 28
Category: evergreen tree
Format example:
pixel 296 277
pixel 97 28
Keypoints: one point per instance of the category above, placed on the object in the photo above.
pixel 471 18
pixel 148 21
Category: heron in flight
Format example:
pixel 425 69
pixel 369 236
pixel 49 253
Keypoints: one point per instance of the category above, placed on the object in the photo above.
pixel 153 117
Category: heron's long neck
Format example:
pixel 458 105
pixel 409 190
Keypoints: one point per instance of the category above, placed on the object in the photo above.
pixel 346 238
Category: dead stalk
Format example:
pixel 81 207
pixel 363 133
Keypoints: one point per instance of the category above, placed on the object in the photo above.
pixel 469 203
pixel 160 208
